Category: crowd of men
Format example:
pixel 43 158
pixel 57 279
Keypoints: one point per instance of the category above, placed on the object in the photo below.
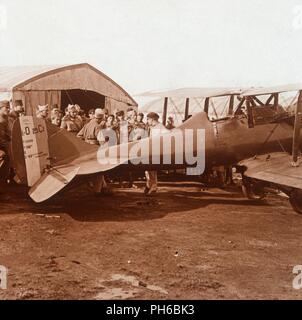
pixel 91 128
pixel 7 118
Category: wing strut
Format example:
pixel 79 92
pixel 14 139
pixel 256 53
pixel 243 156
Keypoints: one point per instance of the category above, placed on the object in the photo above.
pixel 296 139
pixel 165 111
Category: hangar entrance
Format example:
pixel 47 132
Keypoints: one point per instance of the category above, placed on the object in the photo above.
pixel 85 99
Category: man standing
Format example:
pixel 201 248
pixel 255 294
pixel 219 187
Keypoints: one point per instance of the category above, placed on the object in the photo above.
pixel 131 119
pixel 170 125
pixel 140 121
pixel 42 112
pixel 131 116
pixel 4 140
pixel 90 131
pixel 156 129
pixel 89 134
pixel 91 114
pixel 56 120
pixel 54 111
pixel 18 110
pixel 107 137
pixel 72 122
pixel 122 127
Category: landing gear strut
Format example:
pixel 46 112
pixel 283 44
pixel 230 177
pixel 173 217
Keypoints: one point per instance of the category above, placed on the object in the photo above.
pixel 295 199
pixel 252 189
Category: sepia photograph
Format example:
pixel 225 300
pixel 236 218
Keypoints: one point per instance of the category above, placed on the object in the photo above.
pixel 150 151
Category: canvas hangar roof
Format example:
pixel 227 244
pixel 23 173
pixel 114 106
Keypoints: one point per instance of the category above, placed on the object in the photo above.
pixel 48 78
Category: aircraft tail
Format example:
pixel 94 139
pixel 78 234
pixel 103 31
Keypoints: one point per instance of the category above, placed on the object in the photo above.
pixel 41 154
pixel 30 149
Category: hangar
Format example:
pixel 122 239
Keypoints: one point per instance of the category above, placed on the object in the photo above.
pixel 61 85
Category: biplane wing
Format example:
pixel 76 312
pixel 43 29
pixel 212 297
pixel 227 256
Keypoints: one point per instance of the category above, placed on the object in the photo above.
pixel 194 92
pixel 271 90
pixel 276 168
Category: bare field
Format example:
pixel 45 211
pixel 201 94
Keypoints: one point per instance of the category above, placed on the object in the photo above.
pixel 179 244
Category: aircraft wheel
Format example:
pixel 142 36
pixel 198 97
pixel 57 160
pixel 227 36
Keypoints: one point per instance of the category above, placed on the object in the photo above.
pixel 295 199
pixel 252 190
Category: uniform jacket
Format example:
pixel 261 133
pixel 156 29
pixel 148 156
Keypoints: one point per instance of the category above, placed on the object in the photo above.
pixel 90 132
pixel 73 125
pixel 158 130
pixel 4 133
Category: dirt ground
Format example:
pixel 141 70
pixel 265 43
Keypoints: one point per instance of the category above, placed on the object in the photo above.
pixel 179 244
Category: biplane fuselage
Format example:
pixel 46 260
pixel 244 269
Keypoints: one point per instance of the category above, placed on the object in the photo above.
pixel 227 142
pixel 47 159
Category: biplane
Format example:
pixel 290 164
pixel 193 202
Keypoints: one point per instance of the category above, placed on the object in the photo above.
pixel 258 136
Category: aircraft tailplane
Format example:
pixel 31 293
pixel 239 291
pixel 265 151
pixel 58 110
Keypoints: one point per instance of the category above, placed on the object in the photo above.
pixel 52 182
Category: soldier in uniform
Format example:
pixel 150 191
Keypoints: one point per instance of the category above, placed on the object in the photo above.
pixel 131 115
pixel 122 127
pixel 72 122
pixel 43 112
pixel 91 114
pixel 131 119
pixel 54 111
pixel 90 131
pixel 56 115
pixel 57 119
pixel 89 134
pixel 4 140
pixel 138 132
pixel 18 110
pixel 83 117
pixel 156 129
pixel 109 129
pixel 170 125
pixel 140 121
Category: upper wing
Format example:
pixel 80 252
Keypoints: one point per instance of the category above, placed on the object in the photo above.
pixel 271 90
pixel 194 93
pixel 275 168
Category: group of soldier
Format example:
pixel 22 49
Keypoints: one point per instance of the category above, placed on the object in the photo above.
pixel 92 129
pixel 7 118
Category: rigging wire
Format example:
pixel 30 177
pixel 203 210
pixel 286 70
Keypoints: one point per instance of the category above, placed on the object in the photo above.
pixel 269 136
pixel 68 96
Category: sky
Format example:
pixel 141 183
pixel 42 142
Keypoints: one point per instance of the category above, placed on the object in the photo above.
pixel 157 44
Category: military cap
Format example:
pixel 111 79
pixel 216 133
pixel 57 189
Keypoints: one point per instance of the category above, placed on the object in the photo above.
pixel 99 113
pixel 71 107
pixel 42 108
pixel 4 104
pixel 153 116
pixel 120 113
pixel 18 103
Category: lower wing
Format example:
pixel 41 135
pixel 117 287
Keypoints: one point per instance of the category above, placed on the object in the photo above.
pixel 275 168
